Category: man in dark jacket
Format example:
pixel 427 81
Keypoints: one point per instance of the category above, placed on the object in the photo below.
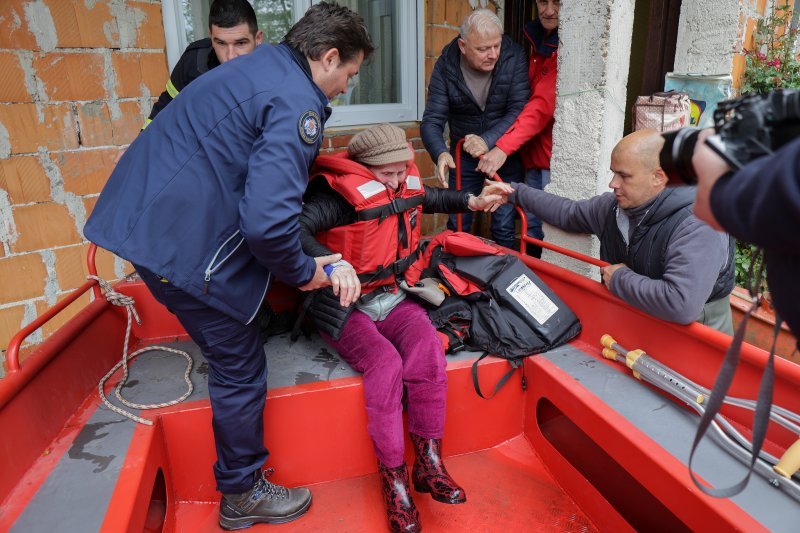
pixel 478 87
pixel 759 203
pixel 205 204
pixel 233 31
pixel 664 260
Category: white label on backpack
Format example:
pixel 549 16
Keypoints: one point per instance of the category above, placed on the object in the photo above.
pixel 532 299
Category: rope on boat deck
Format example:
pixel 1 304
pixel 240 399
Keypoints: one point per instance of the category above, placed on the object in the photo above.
pixel 122 300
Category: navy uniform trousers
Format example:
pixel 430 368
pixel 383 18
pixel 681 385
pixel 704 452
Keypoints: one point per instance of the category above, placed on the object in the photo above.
pixel 237 381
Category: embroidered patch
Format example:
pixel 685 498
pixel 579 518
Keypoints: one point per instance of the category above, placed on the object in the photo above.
pixel 309 127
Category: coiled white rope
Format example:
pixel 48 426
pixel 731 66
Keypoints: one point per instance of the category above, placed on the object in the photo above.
pixel 122 300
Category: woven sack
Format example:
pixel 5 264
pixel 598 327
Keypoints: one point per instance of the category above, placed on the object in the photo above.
pixel 663 111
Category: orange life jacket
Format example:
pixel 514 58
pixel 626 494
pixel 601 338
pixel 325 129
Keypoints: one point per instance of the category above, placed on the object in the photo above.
pixel 384 241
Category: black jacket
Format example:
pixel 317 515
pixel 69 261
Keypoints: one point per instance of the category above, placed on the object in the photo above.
pixel 451 101
pixel 199 57
pixel 761 204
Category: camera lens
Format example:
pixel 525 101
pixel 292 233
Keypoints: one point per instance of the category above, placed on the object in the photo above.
pixel 676 155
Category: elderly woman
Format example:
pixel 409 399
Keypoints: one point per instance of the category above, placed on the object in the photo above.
pixel 367 204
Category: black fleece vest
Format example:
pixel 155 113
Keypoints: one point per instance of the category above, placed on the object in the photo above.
pixel 646 253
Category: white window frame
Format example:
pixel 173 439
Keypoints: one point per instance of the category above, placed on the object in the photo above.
pixel 412 67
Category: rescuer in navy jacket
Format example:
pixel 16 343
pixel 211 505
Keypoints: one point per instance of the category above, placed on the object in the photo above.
pixel 205 203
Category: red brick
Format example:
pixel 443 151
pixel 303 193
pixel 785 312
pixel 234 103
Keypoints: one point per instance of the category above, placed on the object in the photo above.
pixel 424 164
pixel 77 76
pixel 412 132
pixel 340 141
pixel 457 10
pixel 81 26
pixel 105 262
pixel 27 133
pixel 71 269
pixel 439 38
pixel 135 69
pixel 94 121
pixel 129 124
pixel 24 178
pixel 10 323
pixel 88 204
pixel 12 82
pixel 14 31
pixel 150 31
pixel 435 11
pixel 23 276
pixel 65 315
pixel 43 226
pixel 85 171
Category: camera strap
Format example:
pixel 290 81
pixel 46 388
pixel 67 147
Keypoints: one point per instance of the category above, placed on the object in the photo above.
pixel 722 385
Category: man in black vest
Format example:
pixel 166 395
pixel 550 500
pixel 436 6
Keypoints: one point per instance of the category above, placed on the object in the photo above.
pixel 663 259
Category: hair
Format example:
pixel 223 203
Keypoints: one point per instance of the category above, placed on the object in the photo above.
pixel 327 25
pixel 230 13
pixel 482 22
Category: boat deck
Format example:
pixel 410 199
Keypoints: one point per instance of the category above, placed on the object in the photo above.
pixel 585 447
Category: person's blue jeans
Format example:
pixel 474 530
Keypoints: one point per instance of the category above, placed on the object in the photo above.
pixel 537 178
pixel 237 381
pixel 503 230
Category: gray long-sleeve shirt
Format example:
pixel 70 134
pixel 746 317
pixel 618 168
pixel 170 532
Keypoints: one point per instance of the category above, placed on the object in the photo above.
pixel 695 253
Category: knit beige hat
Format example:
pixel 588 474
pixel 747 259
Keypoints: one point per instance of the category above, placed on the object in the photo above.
pixel 379 145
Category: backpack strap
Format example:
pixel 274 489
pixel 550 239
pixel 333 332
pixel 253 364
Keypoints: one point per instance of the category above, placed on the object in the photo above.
pixel 515 364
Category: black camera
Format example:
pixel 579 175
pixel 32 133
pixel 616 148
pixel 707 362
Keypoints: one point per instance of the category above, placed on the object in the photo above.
pixel 746 129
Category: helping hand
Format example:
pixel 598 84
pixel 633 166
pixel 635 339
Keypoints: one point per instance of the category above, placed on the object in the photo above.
pixel 475 145
pixel 444 163
pixel 492 161
pixel 493 195
pixel 320 278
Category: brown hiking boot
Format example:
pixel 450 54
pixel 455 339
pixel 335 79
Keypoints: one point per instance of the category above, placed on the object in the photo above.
pixel 265 503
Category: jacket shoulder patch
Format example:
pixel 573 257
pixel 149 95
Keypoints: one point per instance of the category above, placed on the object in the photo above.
pixel 309 126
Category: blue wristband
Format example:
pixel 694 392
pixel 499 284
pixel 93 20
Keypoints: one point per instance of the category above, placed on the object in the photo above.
pixel 328 269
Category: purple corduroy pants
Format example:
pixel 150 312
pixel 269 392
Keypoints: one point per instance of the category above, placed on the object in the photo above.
pixel 403 349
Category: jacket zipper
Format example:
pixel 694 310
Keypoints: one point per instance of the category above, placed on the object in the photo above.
pixel 210 269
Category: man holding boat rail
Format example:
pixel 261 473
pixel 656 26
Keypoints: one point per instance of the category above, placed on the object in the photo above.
pixel 664 260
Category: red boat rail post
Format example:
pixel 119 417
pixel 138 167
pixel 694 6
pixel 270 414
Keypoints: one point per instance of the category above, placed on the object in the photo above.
pixel 12 356
pixel 91 265
pixel 524 238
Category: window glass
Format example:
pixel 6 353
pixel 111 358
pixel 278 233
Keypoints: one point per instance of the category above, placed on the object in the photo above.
pixel 274 17
pixel 387 88
pixel 378 80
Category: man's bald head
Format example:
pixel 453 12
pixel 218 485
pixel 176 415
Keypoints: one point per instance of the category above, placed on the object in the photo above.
pixel 638 176
pixel 643 146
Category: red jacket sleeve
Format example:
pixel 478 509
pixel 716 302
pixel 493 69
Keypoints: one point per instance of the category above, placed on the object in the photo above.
pixel 534 116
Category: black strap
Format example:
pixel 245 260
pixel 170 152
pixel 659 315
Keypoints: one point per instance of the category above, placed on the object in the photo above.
pixel 301 314
pixel 722 385
pixel 514 365
pixel 396 206
pixel 395 269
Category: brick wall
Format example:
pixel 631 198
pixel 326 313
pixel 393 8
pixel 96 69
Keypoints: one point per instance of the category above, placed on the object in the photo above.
pixel 78 79
pixel 751 12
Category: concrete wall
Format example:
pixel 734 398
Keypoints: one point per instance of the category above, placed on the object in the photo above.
pixel 593 60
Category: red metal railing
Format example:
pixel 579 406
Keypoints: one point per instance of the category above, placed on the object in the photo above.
pixel 12 355
pixel 524 237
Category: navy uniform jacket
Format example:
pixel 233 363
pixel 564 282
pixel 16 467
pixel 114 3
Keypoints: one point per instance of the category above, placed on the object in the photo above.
pixel 209 195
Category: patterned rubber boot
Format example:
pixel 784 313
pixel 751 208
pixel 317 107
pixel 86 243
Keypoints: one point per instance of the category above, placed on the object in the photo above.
pixel 429 473
pixel 400 508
